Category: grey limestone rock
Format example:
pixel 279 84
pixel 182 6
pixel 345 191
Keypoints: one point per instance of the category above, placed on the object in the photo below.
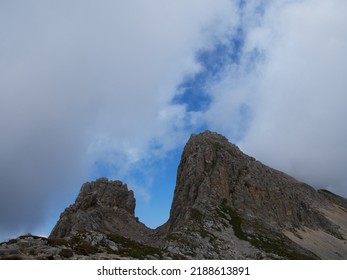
pixel 103 206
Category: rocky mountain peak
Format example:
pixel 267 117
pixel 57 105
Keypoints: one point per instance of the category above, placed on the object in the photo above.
pixel 106 193
pixel 213 171
pixel 104 206
pixel 217 183
pixel 200 160
pixel 226 205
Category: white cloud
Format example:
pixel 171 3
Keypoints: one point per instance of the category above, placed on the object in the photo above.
pixel 86 81
pixel 296 91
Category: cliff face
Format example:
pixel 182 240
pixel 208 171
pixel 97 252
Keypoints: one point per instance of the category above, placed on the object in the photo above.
pixel 237 207
pixel 226 205
pixel 102 206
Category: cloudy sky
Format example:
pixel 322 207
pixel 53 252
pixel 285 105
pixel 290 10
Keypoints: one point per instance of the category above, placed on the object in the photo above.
pixel 115 88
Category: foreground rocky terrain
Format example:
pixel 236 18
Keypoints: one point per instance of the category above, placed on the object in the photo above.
pixel 226 205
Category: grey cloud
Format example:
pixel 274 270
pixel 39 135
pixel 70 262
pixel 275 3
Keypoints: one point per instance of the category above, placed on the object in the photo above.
pixel 86 81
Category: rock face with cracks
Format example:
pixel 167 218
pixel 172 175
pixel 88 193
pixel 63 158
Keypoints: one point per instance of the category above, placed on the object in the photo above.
pixel 229 205
pixel 226 205
pixel 102 206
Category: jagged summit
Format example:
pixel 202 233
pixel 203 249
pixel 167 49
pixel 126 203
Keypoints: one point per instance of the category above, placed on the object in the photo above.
pixel 226 205
pixel 103 206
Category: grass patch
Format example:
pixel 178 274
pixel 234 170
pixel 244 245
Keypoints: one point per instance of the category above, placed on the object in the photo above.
pixel 66 253
pixel 260 237
pixel 86 249
pixel 58 242
pixel 131 248
pixel 196 215
pixel 173 237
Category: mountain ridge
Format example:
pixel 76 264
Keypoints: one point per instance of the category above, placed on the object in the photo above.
pixel 226 205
